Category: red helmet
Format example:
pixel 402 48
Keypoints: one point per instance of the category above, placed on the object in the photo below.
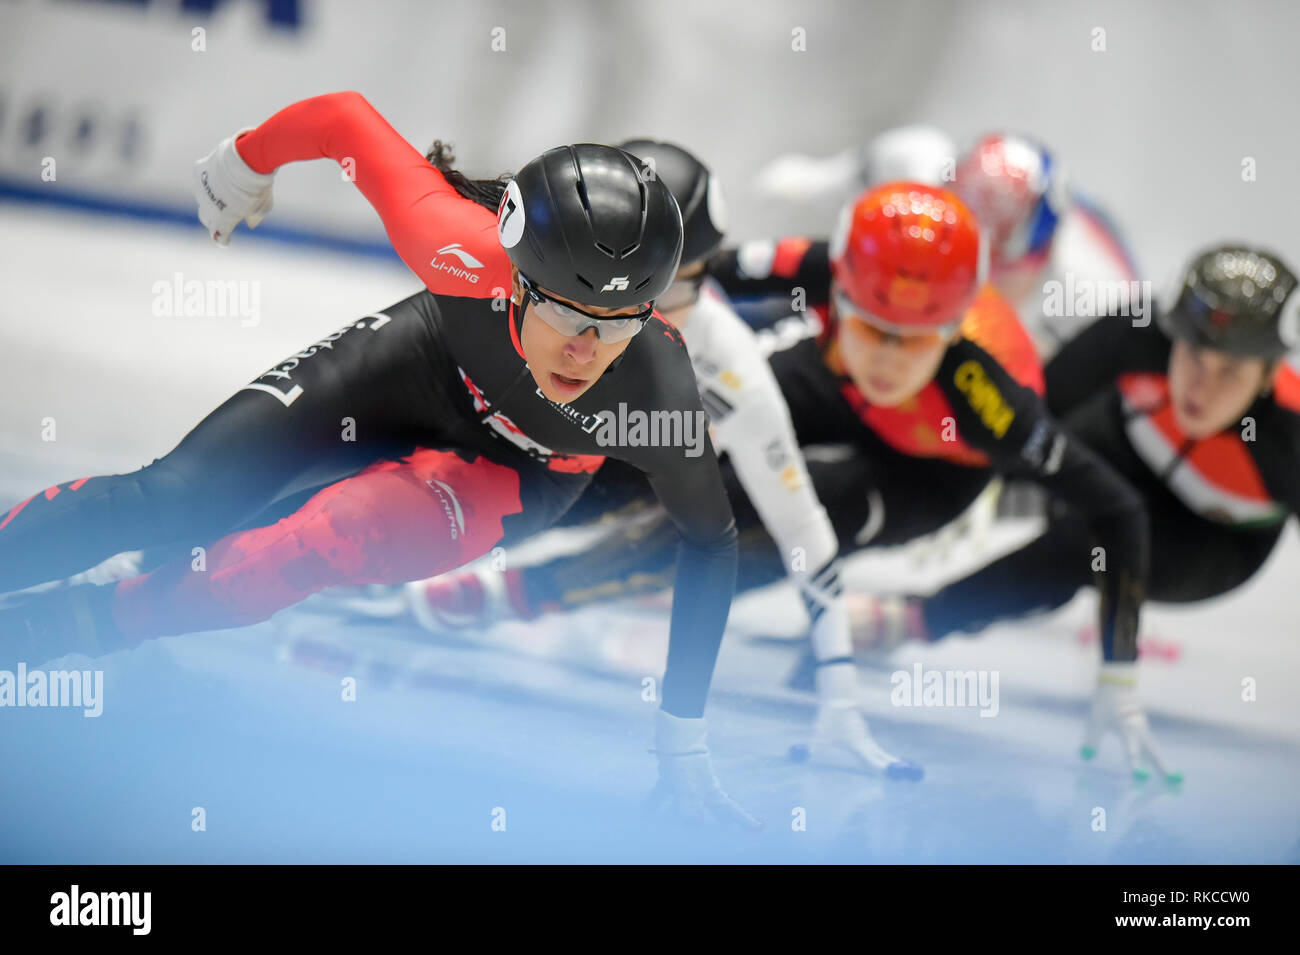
pixel 909 255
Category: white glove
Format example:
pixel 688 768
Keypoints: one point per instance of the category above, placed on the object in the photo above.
pixel 687 786
pixel 229 192
pixel 1115 709
pixel 841 724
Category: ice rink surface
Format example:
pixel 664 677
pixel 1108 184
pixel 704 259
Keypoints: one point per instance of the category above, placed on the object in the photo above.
pixel 544 726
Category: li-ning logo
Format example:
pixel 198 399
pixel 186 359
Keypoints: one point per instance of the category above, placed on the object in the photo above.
pixel 616 284
pixel 465 258
pixel 450 504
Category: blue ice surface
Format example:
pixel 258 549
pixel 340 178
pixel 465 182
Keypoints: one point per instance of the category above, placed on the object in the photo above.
pixel 417 767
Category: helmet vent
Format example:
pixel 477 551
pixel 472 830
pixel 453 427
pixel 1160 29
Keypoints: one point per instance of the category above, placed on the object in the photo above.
pixel 581 186
pixel 629 250
pixel 587 284
pixel 644 282
pixel 608 250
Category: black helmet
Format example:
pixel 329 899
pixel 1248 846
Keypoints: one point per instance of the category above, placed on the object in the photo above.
pixel 696 191
pixel 1238 300
pixel 580 222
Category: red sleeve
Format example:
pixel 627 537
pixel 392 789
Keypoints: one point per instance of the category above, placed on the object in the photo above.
pixel 449 241
pixel 759 269
pixel 1286 387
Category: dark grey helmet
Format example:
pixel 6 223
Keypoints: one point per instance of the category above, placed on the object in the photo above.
pixel 581 222
pixel 697 193
pixel 1238 300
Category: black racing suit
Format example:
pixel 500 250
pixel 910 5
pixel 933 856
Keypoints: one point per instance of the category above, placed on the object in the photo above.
pixel 427 442
pixel 1217 505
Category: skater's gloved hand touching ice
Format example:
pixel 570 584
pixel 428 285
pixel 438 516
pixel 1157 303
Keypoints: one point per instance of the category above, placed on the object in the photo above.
pixel 842 725
pixel 1115 709
pixel 687 786
pixel 229 192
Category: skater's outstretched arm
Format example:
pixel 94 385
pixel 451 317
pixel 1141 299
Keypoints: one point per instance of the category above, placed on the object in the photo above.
pixel 694 497
pixel 1011 425
pixel 447 240
pixel 683 472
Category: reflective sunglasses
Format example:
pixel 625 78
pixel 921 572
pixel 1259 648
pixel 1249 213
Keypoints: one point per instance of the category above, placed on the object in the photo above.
pixel 877 331
pixel 570 321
